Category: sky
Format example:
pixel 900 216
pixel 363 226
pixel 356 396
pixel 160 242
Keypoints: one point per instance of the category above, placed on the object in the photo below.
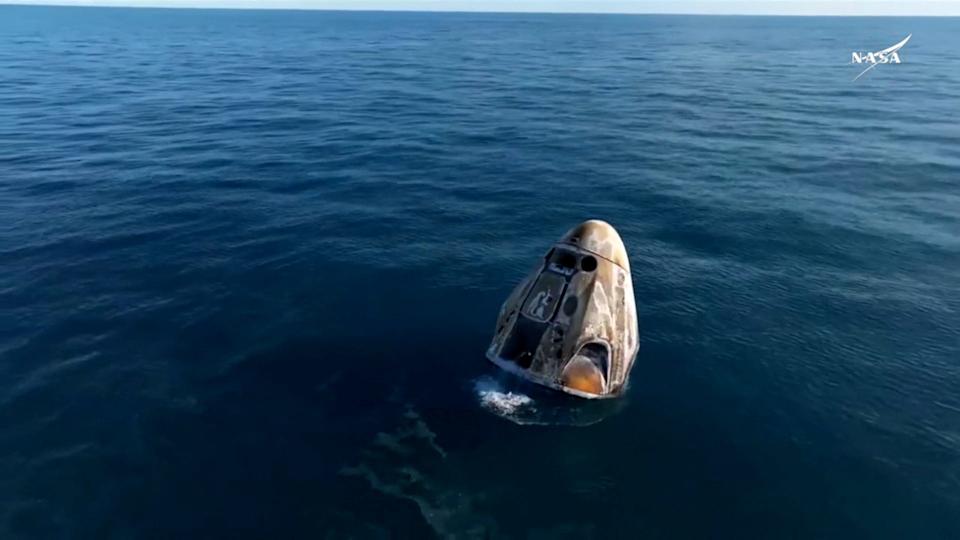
pixel 759 7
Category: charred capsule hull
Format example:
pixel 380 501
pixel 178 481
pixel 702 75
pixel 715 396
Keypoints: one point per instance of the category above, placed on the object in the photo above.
pixel 572 323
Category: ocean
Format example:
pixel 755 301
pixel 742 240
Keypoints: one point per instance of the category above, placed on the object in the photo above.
pixel 252 260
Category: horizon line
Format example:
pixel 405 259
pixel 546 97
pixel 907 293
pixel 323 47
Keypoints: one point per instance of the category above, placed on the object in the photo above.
pixel 118 5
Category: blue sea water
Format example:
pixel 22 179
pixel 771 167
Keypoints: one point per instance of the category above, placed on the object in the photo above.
pixel 251 262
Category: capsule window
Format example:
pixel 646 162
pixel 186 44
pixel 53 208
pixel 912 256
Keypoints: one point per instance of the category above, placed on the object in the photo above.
pixel 564 259
pixel 588 264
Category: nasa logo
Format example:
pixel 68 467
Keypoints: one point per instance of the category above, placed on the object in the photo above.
pixel 890 55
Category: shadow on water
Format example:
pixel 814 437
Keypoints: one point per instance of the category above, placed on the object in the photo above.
pixel 263 453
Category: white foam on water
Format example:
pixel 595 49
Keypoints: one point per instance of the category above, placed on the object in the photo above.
pixel 519 408
pixel 495 399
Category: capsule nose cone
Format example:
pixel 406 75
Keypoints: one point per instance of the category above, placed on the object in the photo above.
pixel 583 375
pixel 601 238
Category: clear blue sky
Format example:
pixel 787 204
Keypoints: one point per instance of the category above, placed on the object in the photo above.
pixel 779 7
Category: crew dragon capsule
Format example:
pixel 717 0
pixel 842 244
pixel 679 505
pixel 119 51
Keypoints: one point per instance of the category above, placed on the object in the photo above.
pixel 571 324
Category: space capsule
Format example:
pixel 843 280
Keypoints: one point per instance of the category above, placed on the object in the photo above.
pixel 571 324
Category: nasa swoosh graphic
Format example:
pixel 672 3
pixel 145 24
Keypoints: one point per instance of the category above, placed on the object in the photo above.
pixel 888 50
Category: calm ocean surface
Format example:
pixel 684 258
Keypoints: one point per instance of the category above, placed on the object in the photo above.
pixel 251 262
